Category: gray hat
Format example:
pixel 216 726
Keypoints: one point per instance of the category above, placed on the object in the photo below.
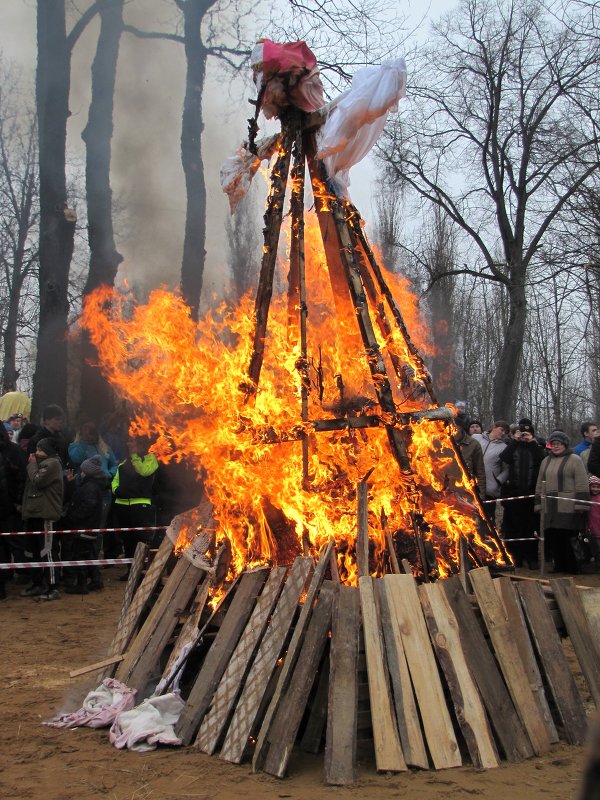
pixel 92 467
pixel 559 436
pixel 47 446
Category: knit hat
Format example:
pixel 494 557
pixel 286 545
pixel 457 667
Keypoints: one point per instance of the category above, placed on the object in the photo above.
pixel 559 436
pixel 92 467
pixel 525 426
pixel 47 446
pixel 594 479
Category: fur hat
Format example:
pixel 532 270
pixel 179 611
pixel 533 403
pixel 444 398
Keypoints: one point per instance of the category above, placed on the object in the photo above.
pixel 47 446
pixel 559 436
pixel 92 467
pixel 525 426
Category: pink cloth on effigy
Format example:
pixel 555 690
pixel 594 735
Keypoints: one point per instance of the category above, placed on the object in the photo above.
pixel 100 707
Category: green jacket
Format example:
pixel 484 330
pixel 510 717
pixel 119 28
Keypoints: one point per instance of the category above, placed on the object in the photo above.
pixel 44 488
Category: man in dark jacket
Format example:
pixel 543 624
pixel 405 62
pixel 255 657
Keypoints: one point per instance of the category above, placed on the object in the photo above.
pixel 12 481
pixel 42 506
pixel 53 422
pixel 520 521
pixel 85 511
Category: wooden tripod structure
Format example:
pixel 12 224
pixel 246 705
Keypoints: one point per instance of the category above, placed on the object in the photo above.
pixel 360 293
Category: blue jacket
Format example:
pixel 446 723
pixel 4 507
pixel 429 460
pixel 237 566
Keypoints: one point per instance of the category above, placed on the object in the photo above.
pixel 81 451
pixel 581 447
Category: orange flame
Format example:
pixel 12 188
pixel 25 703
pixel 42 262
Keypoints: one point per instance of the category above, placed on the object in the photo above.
pixel 185 378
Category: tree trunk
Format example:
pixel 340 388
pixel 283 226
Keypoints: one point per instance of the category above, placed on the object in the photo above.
pixel 57 222
pixel 96 394
pixel 194 252
pixel 507 373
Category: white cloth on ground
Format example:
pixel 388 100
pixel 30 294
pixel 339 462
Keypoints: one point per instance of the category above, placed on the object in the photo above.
pixel 100 707
pixel 149 724
pixel 358 118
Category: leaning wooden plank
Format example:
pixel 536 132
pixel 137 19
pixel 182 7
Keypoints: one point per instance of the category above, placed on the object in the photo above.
pixel 247 708
pixel 388 751
pixel 401 591
pixel 407 716
pixel 126 628
pixel 286 722
pixel 509 658
pixel 146 649
pixel 558 674
pixel 578 628
pixel 292 654
pixel 219 654
pixel 233 678
pixel 342 705
pixel 189 629
pixel 497 700
pixel 508 594
pixel 590 599
pixel 470 712
pixel 134 577
pixel 312 737
pixel 362 529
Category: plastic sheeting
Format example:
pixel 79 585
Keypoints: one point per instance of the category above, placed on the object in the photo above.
pixel 358 118
pixel 148 725
pixel 289 74
pixel 100 707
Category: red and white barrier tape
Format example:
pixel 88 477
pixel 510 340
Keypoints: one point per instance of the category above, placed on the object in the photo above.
pixel 42 564
pixel 89 530
pixel 548 497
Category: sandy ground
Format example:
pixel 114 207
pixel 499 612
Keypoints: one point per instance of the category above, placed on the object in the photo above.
pixel 42 642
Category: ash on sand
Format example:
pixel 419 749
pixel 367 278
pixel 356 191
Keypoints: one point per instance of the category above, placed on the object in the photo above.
pixel 41 643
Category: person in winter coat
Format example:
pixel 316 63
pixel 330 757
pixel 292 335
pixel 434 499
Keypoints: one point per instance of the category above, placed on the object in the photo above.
pixel 566 482
pixel 523 457
pixel 593 518
pixel 85 511
pixel 12 482
pixel 133 489
pixel 89 443
pixel 492 445
pixel 593 460
pixel 53 422
pixel 472 456
pixel 42 506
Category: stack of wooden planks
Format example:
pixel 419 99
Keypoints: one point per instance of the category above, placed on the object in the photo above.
pixel 408 675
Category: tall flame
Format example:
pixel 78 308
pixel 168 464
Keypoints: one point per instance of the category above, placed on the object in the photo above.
pixel 184 380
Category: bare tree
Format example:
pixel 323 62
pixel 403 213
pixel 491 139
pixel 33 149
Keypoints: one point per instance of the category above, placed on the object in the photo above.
pixel 501 135
pixel 19 215
pixel 96 394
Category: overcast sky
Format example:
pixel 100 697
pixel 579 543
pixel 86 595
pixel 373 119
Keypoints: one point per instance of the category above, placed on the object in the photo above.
pixel 147 124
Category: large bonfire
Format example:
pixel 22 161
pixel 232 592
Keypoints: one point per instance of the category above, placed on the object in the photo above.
pixel 189 384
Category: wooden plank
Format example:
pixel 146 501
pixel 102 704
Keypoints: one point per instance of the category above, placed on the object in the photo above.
pixel 126 628
pixel 342 705
pixel 506 722
pixel 107 662
pixel 508 594
pixel 509 658
pixel 362 529
pixel 189 629
pixel 388 751
pixel 590 599
pixel 134 578
pixel 407 716
pixel 470 712
pixel 146 649
pixel 286 722
pixel 580 633
pixel 315 724
pixel 219 654
pixel 247 709
pixel 401 591
pixel 233 678
pixel 292 654
pixel 556 667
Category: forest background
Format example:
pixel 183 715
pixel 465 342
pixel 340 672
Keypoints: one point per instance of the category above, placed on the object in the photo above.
pixel 483 190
